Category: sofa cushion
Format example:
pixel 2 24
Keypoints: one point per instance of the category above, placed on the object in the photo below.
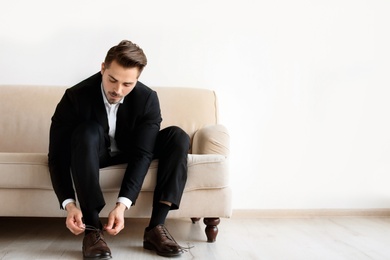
pixel 24 170
pixel 30 171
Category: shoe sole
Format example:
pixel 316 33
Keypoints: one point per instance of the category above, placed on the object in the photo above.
pixel 150 246
pixel 96 257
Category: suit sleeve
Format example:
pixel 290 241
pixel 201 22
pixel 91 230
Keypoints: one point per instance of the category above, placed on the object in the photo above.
pixel 63 123
pixel 141 152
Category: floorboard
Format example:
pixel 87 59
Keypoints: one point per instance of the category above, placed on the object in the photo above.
pixel 321 238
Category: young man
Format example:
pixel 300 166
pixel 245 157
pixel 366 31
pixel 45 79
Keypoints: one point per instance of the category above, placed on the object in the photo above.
pixel 112 118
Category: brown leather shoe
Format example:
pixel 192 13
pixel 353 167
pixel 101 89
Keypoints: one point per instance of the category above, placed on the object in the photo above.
pixel 158 239
pixel 94 246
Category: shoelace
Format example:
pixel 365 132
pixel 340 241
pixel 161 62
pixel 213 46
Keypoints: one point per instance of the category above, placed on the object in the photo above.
pixel 170 237
pixel 91 228
pixel 97 232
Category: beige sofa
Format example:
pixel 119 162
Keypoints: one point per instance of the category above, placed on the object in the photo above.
pixel 25 186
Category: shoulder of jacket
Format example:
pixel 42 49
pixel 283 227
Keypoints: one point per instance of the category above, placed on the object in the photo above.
pixel 88 83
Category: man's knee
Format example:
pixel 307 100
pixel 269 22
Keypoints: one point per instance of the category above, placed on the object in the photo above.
pixel 180 138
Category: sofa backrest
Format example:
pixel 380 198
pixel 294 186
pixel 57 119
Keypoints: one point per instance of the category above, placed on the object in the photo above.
pixel 26 111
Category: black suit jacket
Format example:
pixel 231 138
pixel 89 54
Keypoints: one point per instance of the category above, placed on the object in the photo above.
pixel 137 126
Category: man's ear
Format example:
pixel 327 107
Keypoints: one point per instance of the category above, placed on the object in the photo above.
pixel 103 68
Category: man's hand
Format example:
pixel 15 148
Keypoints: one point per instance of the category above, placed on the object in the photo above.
pixel 116 219
pixel 74 219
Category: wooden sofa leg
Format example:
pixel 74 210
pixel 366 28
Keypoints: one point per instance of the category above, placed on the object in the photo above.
pixel 194 220
pixel 211 228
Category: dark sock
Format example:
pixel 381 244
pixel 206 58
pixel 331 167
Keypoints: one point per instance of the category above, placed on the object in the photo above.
pixel 159 214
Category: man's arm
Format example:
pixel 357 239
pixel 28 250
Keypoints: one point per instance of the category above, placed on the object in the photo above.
pixel 61 129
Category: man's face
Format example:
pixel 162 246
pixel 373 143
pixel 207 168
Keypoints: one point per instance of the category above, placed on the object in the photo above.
pixel 118 81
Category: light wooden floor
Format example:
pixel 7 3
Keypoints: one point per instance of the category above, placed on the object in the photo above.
pixel 310 238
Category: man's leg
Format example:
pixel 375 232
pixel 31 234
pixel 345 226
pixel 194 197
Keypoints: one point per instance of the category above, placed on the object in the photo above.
pixel 88 146
pixel 172 147
pixel 88 152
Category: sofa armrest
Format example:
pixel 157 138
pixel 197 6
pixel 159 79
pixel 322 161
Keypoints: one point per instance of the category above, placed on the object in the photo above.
pixel 211 139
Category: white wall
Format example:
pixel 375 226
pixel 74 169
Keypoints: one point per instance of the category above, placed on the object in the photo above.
pixel 303 85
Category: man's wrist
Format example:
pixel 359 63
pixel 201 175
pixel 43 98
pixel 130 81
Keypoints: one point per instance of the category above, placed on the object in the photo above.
pixel 68 201
pixel 125 201
pixel 70 206
pixel 121 206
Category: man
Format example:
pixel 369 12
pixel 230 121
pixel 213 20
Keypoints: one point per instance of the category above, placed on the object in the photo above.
pixel 107 119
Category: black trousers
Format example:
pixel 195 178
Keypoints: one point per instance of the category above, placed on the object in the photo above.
pixel 89 153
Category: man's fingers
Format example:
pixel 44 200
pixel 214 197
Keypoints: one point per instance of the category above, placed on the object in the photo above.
pixel 75 226
pixel 80 224
pixel 74 220
pixel 76 229
pixel 115 221
pixel 114 229
pixel 110 223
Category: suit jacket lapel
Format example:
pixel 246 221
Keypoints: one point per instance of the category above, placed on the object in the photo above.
pixel 99 109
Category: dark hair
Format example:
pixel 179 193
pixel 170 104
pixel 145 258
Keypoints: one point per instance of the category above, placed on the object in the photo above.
pixel 126 54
